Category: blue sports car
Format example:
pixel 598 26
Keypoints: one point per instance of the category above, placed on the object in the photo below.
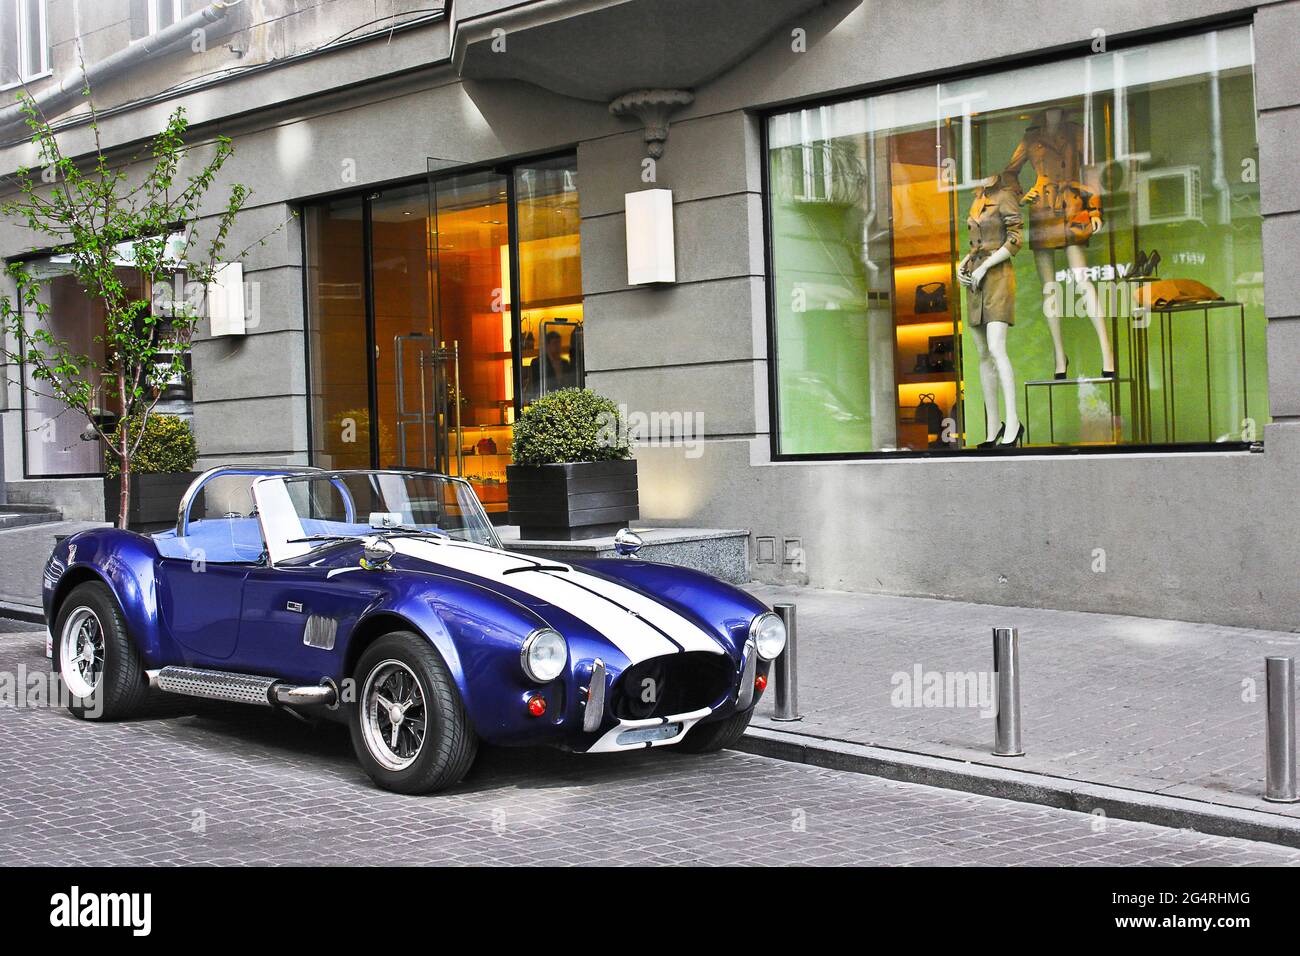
pixel 384 599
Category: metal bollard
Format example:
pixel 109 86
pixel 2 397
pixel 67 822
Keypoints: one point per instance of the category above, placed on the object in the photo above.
pixel 1006 665
pixel 1279 674
pixel 787 688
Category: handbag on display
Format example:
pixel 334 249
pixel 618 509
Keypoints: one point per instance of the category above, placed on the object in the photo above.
pixel 928 413
pixel 1163 293
pixel 931 297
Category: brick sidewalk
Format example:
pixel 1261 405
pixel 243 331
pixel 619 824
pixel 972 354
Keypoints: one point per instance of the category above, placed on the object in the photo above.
pixel 1151 705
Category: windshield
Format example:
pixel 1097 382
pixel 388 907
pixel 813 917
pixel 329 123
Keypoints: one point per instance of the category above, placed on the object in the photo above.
pixel 302 512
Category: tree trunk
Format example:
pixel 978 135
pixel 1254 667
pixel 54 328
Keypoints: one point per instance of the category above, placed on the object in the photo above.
pixel 124 498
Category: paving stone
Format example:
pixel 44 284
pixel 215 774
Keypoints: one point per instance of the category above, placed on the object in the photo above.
pixel 201 783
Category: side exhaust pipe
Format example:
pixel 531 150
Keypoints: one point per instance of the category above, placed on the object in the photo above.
pixel 241 688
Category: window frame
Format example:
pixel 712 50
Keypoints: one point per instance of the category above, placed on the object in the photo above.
pixel 927 80
pixel 178 11
pixel 22 9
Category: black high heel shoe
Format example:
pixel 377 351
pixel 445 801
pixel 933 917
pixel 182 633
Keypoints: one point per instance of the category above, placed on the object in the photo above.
pixel 1060 376
pixel 1106 374
pixel 1153 263
pixel 994 440
pixel 1020 437
pixel 1139 265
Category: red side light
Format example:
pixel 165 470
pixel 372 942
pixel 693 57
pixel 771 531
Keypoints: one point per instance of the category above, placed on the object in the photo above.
pixel 760 683
pixel 537 706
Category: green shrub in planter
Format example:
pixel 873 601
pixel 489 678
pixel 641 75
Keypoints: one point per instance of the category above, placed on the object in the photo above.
pixel 569 425
pixel 573 475
pixel 168 446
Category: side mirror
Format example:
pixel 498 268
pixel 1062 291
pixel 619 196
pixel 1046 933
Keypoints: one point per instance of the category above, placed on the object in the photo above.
pixel 627 542
pixel 378 552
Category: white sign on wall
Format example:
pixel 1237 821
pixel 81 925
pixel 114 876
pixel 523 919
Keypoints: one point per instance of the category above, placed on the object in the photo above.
pixel 226 300
pixel 651 253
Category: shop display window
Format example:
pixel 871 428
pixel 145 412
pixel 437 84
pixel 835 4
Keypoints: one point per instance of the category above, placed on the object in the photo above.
pixel 1064 255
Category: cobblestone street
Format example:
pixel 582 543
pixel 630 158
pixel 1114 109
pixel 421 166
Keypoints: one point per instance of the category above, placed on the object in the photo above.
pixel 200 783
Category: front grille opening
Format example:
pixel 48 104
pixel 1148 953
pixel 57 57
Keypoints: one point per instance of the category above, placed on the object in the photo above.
pixel 673 684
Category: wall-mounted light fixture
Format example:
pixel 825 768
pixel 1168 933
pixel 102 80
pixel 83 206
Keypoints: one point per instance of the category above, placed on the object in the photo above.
pixel 651 253
pixel 226 300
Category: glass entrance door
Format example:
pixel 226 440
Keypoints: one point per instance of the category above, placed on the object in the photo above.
pixel 470 242
pixel 436 311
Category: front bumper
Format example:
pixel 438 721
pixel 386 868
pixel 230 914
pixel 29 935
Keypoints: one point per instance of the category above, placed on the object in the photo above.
pixel 651 732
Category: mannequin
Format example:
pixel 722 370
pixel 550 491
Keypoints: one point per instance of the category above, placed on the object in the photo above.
pixel 1064 214
pixel 994 224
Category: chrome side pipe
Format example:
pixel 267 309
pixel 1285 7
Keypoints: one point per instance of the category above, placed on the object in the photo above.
pixel 241 688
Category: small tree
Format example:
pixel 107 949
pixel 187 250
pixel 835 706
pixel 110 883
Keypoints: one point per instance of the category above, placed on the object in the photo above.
pixel 92 212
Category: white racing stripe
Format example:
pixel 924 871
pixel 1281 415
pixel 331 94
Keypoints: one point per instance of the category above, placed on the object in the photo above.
pixel 688 635
pixel 636 639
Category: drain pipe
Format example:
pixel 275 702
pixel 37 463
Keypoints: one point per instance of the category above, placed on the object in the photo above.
pixel 56 98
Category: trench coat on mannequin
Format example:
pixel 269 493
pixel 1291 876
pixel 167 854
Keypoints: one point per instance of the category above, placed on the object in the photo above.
pixel 1062 206
pixel 994 223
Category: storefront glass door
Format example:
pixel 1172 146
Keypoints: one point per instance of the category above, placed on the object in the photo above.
pixel 437 311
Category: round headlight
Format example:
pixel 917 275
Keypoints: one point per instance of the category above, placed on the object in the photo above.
pixel 768 632
pixel 544 655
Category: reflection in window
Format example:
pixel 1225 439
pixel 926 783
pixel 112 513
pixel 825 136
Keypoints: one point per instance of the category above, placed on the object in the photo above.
pixel 550 277
pixel 336 330
pixel 1072 248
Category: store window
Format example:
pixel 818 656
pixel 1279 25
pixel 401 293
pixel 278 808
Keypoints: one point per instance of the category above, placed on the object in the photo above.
pixel 56 441
pixel 1066 255
pixel 24 49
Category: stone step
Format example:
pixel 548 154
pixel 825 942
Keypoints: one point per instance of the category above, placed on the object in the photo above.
pixel 20 516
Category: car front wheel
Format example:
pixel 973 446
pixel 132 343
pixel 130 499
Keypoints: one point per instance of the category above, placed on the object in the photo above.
pixel 95 658
pixel 409 726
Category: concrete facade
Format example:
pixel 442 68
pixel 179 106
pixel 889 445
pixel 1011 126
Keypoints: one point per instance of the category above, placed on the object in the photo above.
pixel 1199 536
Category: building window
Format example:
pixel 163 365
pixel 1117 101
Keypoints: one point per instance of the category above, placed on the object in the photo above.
pixel 1109 207
pixel 24 49
pixel 436 311
pixel 55 442
pixel 163 13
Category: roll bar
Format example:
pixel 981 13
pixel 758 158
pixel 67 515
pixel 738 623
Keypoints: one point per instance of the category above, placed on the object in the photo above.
pixel 192 492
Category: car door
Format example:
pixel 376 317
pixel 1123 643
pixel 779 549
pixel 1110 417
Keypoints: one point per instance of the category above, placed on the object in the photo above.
pixel 201 603
pixel 296 620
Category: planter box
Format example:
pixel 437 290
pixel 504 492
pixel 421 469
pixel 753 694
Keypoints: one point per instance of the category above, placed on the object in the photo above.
pixel 154 499
pixel 572 502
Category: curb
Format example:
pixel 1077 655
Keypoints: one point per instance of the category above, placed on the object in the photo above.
pixel 22 612
pixel 1042 789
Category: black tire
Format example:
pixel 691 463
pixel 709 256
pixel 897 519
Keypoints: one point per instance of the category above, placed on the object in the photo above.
pixel 121 687
pixel 716 735
pixel 448 745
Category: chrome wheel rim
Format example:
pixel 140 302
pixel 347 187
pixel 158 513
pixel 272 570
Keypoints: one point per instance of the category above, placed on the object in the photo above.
pixel 393 717
pixel 81 652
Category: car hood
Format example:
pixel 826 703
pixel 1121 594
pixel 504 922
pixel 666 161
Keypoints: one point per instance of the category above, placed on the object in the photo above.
pixel 639 626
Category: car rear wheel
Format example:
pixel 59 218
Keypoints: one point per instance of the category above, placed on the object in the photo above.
pixel 409 726
pixel 95 658
pixel 718 735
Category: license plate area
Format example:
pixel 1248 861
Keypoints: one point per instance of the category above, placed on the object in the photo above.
pixel 641 735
